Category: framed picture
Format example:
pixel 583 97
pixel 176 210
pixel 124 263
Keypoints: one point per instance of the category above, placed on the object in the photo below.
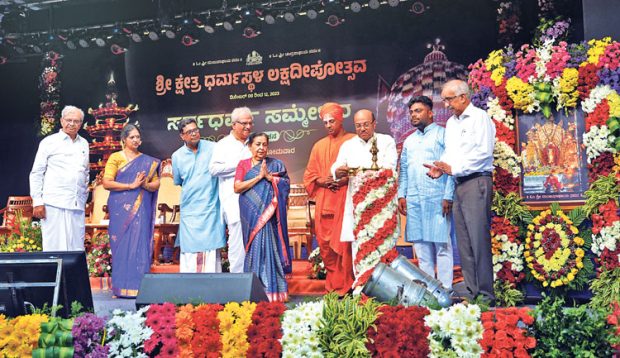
pixel 553 158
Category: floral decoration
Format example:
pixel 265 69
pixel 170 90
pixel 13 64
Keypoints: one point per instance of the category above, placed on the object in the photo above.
pixel 553 251
pixel 99 258
pixel 507 249
pixel 506 333
pixel 235 319
pixel 319 271
pixel 265 332
pixel 391 335
pixel 127 333
pixel 300 327
pixel 455 331
pixel 19 336
pixel 206 341
pixel 89 336
pixel 161 319
pixel 49 84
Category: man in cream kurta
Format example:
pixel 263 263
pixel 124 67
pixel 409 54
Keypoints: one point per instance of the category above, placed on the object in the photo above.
pixel 228 152
pixel 59 184
pixel 355 153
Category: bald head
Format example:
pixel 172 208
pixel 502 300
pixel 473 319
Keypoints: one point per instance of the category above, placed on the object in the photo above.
pixel 455 94
pixel 365 124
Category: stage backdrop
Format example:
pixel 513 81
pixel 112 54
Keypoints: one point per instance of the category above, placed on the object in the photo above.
pixel 376 60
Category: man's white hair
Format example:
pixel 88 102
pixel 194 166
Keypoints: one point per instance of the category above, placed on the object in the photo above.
pixel 68 109
pixel 238 112
pixel 459 86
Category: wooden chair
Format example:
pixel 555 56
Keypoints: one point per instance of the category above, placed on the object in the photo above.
pixel 168 210
pixel 299 219
pixel 14 205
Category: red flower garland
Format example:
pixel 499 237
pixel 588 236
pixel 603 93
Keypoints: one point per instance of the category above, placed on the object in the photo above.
pixel 608 214
pixel 587 80
pixel 266 330
pixel 504 134
pixel 399 332
pixel 502 95
pixel 502 226
pixel 600 166
pixel 163 342
pixel 599 116
pixel 503 181
pixel 206 341
pixel 503 337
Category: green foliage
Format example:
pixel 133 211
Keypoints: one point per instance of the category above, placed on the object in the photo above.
pixel 555 207
pixel 510 206
pixel 601 191
pixel 577 215
pixel 570 332
pixel 506 295
pixel 606 289
pixel 344 324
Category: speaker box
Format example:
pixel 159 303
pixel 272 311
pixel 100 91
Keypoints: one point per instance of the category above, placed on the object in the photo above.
pixel 181 288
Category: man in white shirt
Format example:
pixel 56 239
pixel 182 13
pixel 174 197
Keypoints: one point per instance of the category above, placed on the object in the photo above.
pixel 470 139
pixel 226 156
pixel 59 184
pixel 355 153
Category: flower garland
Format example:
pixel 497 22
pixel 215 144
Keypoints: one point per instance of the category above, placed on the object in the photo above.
pixel 455 331
pixel 265 332
pixel 49 84
pixel 300 327
pixel 88 336
pixel 613 319
pixel 19 336
pixel 235 319
pixel 99 258
pixel 553 251
pixel 606 246
pixel 127 333
pixel 391 335
pixel 185 329
pixel 319 271
pixel 505 333
pixel 375 220
pixel 206 341
pixel 507 250
pixel 161 319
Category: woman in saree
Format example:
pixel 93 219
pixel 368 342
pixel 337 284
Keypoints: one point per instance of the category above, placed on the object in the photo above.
pixel 132 179
pixel 264 187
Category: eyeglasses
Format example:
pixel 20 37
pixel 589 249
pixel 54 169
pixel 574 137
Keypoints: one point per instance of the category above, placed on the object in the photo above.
pixel 245 124
pixel 73 121
pixel 192 131
pixel 363 125
pixel 449 99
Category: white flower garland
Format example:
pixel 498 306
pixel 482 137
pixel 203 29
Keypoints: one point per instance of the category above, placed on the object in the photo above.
pixel 597 95
pixel 128 332
pixel 461 326
pixel 300 326
pixel 495 111
pixel 506 158
pixel 511 252
pixel 606 239
pixel 597 141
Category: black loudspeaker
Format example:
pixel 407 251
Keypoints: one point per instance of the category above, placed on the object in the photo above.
pixel 181 288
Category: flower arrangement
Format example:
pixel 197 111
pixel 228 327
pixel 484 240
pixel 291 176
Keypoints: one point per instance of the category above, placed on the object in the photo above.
pixel 300 327
pixel 507 250
pixel 265 332
pixel 375 221
pixel 49 84
pixel 506 333
pixel 206 341
pixel 127 333
pixel 553 251
pixel 55 338
pixel 161 319
pixel 613 319
pixel 99 258
pixel 25 236
pixel 88 336
pixel 318 266
pixel 235 319
pixel 392 333
pixel 455 331
pixel 19 336
pixel 185 329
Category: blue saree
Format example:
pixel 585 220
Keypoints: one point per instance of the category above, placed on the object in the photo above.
pixel 265 232
pixel 132 220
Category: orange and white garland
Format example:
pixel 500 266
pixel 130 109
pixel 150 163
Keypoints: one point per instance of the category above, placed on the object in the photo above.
pixel 375 219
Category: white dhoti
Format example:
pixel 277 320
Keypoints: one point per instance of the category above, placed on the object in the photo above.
pixel 236 251
pixel 439 254
pixel 63 229
pixel 200 262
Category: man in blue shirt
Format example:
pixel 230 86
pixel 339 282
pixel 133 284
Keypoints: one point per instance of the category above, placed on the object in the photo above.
pixel 426 202
pixel 201 231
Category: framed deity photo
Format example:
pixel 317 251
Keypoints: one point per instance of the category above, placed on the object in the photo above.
pixel 553 158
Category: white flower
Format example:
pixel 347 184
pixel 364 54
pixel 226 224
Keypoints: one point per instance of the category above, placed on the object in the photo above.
pixel 606 239
pixel 597 141
pixel 505 158
pixel 597 95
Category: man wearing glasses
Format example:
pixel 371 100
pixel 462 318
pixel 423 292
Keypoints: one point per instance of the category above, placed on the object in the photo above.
pixel 228 152
pixel 201 231
pixel 355 153
pixel 59 184
pixel 470 139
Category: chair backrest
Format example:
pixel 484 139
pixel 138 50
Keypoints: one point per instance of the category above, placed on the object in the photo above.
pixel 169 193
pixel 297 214
pixel 15 204
pixel 100 198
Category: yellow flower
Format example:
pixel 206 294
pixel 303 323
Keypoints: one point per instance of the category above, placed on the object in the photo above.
pixel 574 230
pixel 597 48
pixel 580 264
pixel 545 284
pixel 570 276
pixel 530 227
pixel 579 252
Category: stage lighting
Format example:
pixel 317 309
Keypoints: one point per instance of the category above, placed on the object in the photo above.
pixel 312 13
pixel 229 23
pixel 418 8
pixel 374 4
pixel 393 3
pixel 99 41
pixel 169 32
pixel 153 34
pixel 117 49
pixel 69 43
pixel 251 30
pixel 188 40
pixel 83 43
pixel 3 60
pixel 289 16
pixel 209 25
pixel 136 37
pixel 355 6
pixel 269 17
